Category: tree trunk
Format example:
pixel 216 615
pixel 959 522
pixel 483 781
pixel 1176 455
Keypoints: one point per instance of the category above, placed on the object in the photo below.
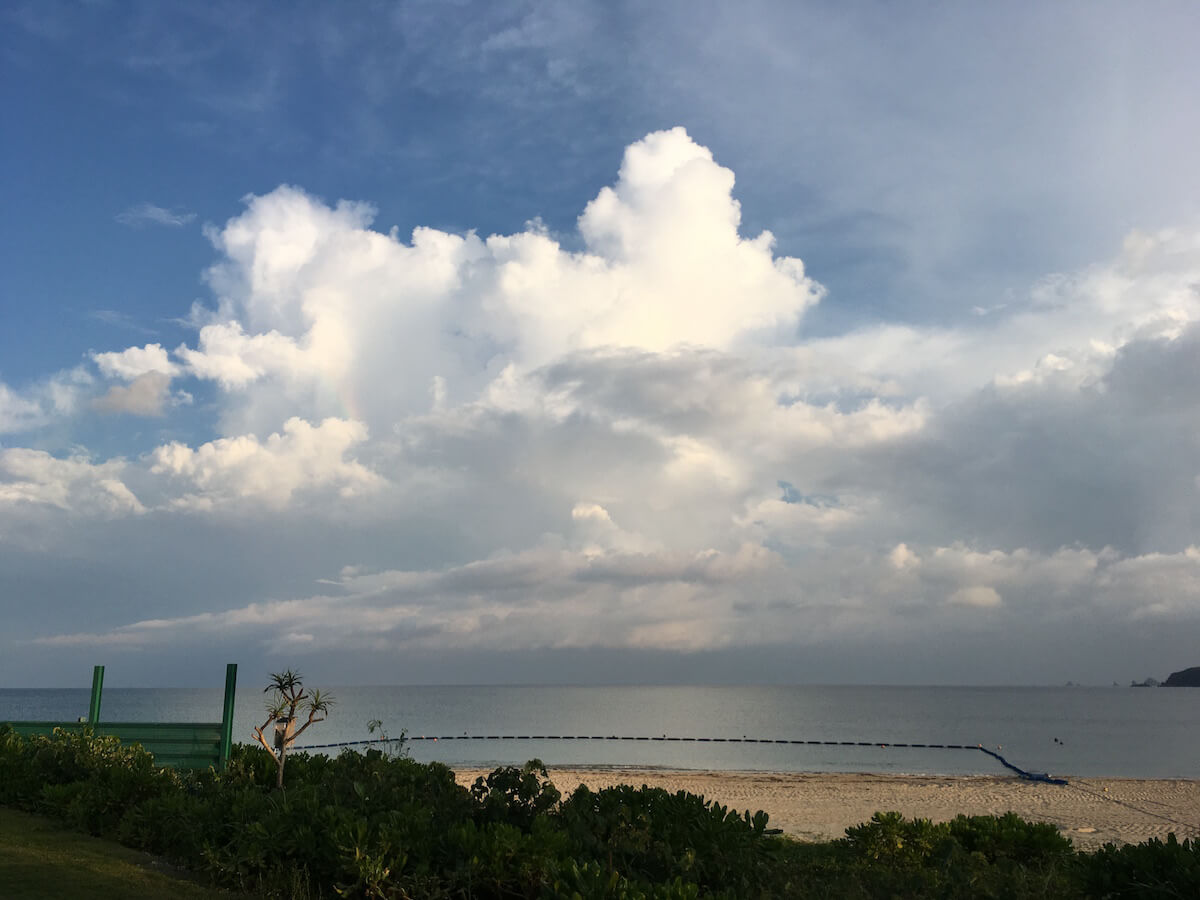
pixel 283 740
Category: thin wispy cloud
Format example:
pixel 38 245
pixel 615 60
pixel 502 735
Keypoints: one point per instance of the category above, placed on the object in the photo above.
pixel 118 319
pixel 151 214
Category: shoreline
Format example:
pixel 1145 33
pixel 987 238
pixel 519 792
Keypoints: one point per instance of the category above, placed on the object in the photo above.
pixel 820 806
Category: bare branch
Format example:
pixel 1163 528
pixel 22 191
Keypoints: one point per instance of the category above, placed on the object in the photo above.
pixel 258 733
pixel 299 731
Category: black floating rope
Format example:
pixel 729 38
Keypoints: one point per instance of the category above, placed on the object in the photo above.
pixel 1028 776
pixel 885 745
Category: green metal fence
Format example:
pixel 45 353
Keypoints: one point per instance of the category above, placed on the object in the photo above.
pixel 179 745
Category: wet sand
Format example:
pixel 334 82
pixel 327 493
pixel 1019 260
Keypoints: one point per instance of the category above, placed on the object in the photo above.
pixel 821 806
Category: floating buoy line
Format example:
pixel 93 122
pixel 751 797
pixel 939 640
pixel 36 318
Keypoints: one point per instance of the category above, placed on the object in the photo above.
pixel 886 745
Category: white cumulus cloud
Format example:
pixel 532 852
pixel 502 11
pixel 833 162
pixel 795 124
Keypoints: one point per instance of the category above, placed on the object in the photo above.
pixel 133 362
pixel 74 484
pixel 311 300
pixel 300 458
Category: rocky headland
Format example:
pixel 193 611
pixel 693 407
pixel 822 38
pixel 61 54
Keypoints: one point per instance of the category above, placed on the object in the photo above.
pixel 1186 678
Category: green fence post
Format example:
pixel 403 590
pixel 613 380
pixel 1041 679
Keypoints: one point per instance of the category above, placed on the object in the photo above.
pixel 227 714
pixel 97 687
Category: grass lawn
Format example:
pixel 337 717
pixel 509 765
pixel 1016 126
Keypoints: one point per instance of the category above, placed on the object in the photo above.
pixel 39 859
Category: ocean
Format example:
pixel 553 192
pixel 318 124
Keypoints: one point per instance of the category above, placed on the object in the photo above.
pixel 1095 732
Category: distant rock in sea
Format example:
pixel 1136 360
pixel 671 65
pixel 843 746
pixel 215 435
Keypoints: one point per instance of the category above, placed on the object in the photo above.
pixel 1186 678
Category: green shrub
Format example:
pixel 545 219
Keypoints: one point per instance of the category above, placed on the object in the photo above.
pixel 1010 837
pixel 592 881
pixel 977 857
pixel 85 779
pixel 651 834
pixel 516 796
pixel 1152 869
pixel 499 859
pixel 897 842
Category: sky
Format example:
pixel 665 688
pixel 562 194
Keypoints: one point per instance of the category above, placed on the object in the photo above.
pixel 603 342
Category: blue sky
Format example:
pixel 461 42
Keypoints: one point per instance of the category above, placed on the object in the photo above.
pixel 438 341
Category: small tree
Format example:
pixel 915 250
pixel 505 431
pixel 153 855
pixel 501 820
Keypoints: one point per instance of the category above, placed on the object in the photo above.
pixel 288 698
pixel 392 746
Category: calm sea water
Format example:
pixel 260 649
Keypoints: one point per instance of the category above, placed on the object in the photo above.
pixel 1152 733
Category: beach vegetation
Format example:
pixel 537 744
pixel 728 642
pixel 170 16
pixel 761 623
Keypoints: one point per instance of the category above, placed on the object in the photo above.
pixel 376 824
pixel 1154 868
pixel 516 794
pixel 975 856
pixel 391 746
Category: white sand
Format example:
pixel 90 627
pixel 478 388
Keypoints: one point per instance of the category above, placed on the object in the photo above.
pixel 1091 811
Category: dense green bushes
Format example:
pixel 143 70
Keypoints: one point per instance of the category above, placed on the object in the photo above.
pixel 1153 869
pixel 977 856
pixel 372 825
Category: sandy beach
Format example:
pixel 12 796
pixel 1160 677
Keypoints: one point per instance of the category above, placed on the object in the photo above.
pixel 820 806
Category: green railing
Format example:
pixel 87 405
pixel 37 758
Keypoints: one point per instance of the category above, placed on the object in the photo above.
pixel 179 745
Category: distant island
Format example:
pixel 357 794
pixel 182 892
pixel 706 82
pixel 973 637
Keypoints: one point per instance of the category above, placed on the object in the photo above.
pixel 1186 678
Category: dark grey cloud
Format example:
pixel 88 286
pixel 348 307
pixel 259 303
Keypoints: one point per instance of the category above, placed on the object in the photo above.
pixel 1111 463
